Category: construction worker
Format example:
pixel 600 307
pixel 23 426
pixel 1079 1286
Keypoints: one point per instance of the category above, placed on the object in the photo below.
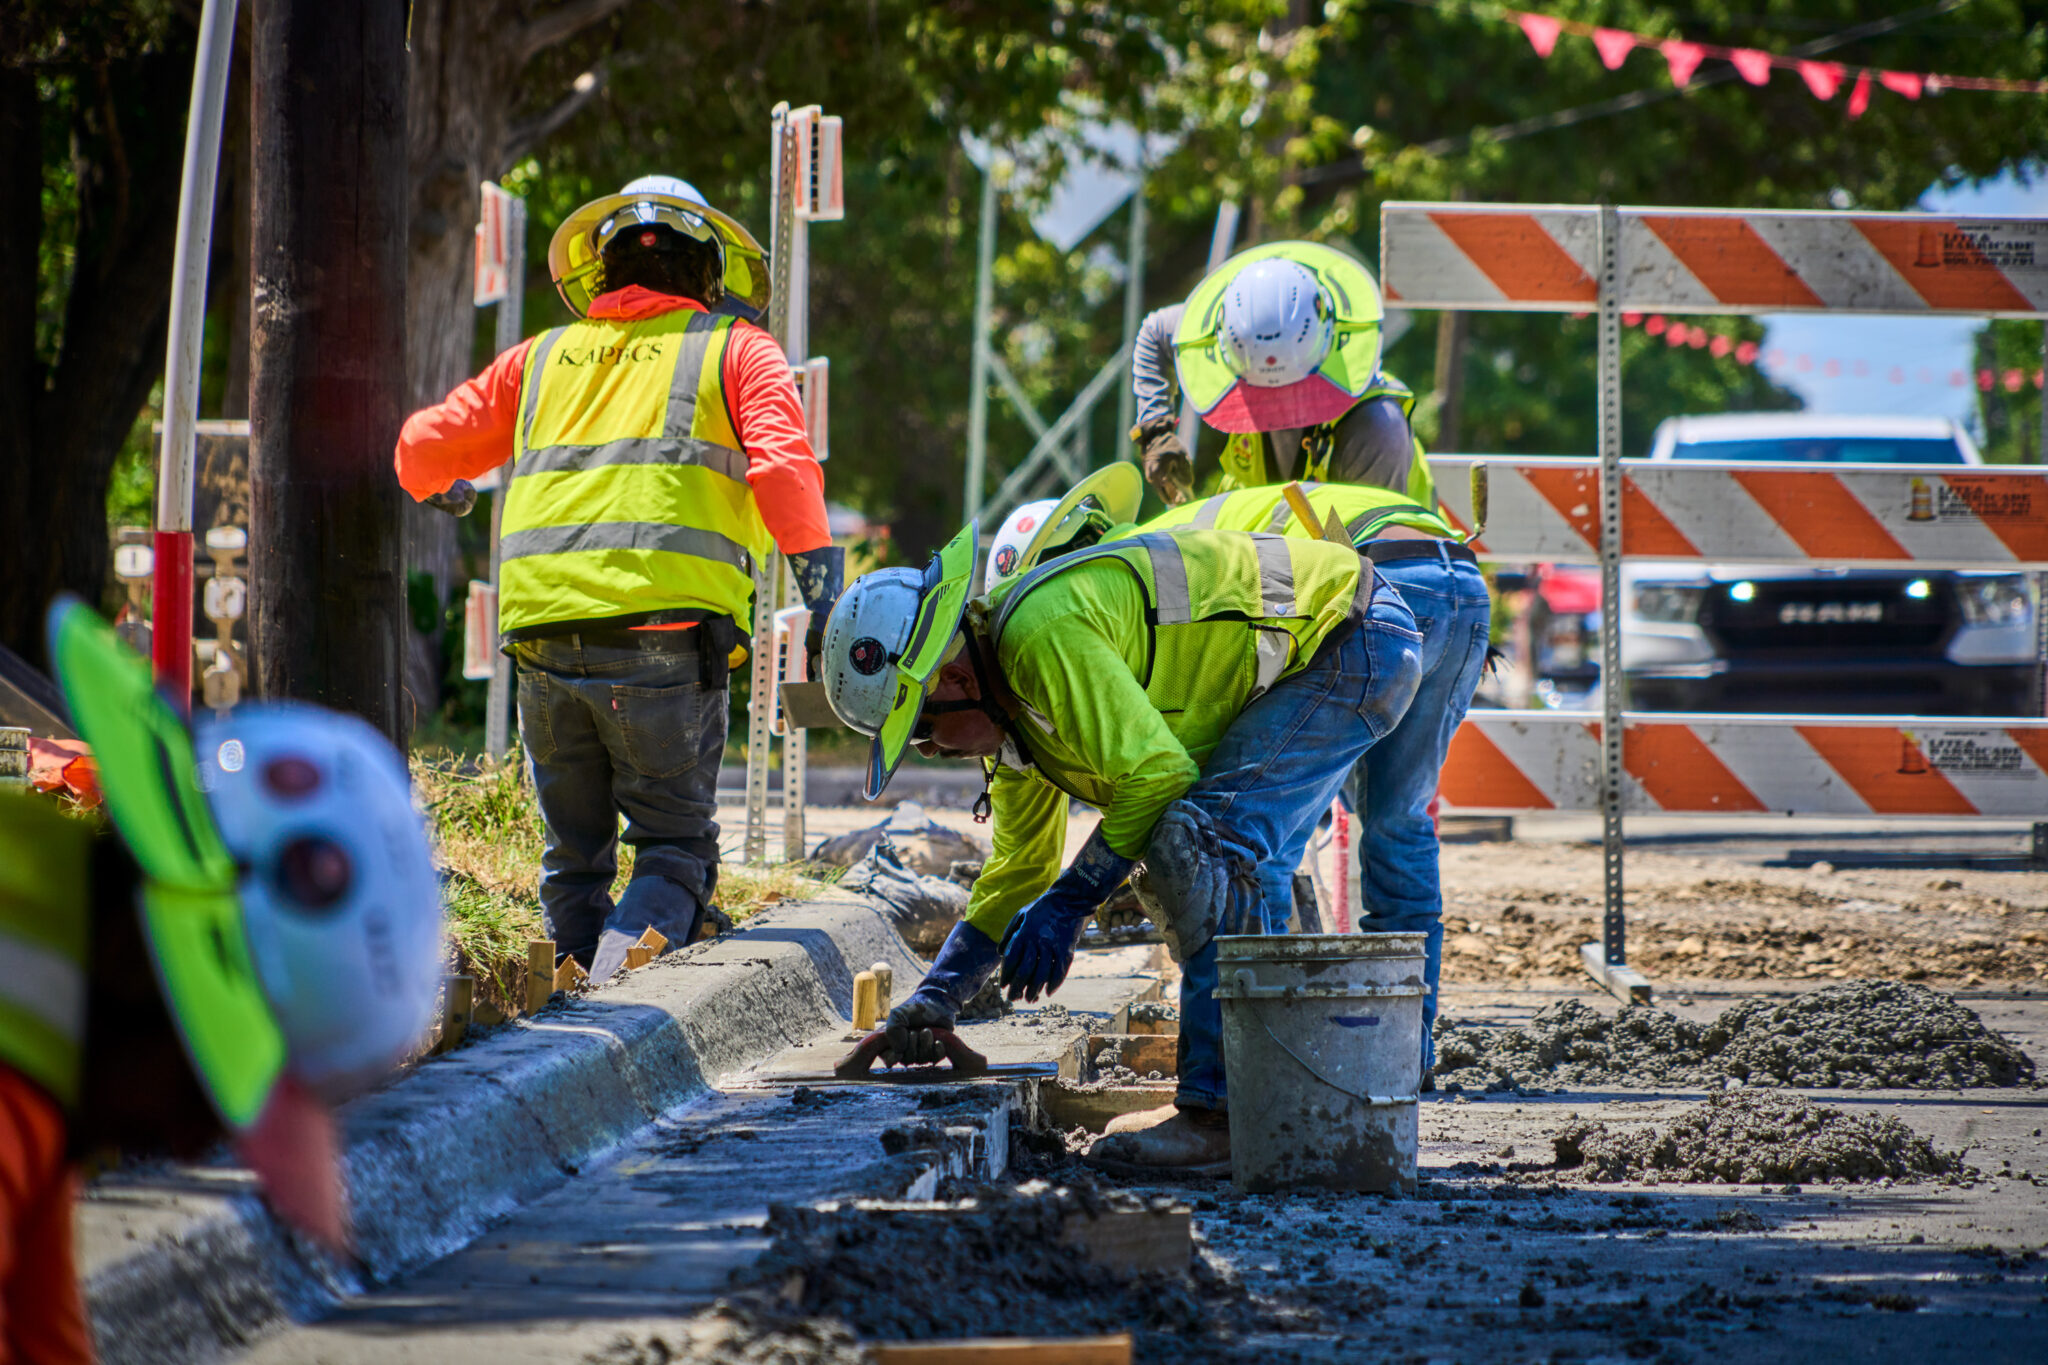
pixel 1278 347
pixel 262 938
pixel 1439 579
pixel 659 452
pixel 1050 527
pixel 1206 691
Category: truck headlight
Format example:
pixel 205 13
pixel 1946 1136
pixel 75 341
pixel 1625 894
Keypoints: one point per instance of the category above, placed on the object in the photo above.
pixel 1678 602
pixel 1995 600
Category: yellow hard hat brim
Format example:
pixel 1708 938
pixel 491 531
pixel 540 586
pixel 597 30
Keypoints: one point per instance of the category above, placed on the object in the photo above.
pixel 574 266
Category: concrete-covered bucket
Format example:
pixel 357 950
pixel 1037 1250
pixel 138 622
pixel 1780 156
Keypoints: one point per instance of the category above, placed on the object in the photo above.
pixel 1322 1045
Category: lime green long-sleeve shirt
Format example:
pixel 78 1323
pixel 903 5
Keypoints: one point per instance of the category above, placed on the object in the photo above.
pixel 1107 722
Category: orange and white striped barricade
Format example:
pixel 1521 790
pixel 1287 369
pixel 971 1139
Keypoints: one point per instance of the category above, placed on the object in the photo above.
pixel 1679 764
pixel 1866 516
pixel 1566 258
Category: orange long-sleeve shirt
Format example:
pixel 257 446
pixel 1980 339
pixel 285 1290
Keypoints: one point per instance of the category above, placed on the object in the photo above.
pixel 42 1316
pixel 470 432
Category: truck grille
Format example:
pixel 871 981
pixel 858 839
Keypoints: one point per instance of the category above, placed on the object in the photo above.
pixel 1843 618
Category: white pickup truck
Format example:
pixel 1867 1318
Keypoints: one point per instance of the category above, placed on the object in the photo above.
pixel 1734 637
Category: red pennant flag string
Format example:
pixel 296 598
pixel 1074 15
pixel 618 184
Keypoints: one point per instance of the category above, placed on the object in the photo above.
pixel 1859 98
pixel 1755 66
pixel 1900 83
pixel 1684 58
pixel 1822 78
pixel 1614 46
pixel 1542 31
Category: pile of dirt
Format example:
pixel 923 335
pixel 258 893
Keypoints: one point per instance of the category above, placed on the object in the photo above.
pixel 1863 1035
pixel 997 1261
pixel 737 1334
pixel 1754 1138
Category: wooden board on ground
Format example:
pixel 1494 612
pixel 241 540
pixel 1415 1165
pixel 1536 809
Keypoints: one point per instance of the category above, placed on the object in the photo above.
pixel 1133 1240
pixel 1114 1350
pixel 647 949
pixel 540 974
pixel 1068 1106
pixel 1143 1053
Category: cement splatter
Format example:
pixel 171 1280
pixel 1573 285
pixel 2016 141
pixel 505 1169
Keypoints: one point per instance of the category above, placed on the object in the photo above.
pixel 737 1334
pixel 1756 1138
pixel 1860 1035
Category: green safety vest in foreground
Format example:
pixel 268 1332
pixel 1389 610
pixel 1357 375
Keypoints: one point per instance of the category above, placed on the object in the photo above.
pixel 1131 660
pixel 1245 464
pixel 629 493
pixel 1365 512
pixel 44 911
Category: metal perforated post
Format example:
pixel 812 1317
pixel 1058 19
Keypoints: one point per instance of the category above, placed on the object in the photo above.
pixel 768 572
pixel 498 696
pixel 1608 959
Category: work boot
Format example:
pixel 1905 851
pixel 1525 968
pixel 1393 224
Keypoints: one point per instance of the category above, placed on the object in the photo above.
pixel 1192 1137
pixel 1141 1119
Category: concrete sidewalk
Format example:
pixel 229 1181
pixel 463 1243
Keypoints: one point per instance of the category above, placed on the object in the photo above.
pixel 185 1263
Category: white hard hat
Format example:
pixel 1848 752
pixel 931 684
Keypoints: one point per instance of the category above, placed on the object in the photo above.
pixel 887 635
pixel 1277 324
pixel 576 252
pixel 1006 556
pixel 339 896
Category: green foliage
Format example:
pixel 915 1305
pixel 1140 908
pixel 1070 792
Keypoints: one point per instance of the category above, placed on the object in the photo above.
pixel 131 491
pixel 2011 408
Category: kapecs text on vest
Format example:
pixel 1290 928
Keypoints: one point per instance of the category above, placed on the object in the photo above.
pixel 609 355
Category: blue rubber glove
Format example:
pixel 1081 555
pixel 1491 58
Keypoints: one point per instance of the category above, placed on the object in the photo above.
pixel 1039 945
pixel 962 967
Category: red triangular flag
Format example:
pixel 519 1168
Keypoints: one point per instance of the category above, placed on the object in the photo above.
pixel 1900 83
pixel 1755 66
pixel 1684 57
pixel 1859 98
pixel 1822 78
pixel 1542 31
pixel 1614 45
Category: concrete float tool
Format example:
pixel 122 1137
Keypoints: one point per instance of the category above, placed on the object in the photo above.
pixel 964 1064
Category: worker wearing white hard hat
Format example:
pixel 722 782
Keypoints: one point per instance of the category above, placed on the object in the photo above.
pixel 1279 348
pixel 1050 527
pixel 258 938
pixel 659 453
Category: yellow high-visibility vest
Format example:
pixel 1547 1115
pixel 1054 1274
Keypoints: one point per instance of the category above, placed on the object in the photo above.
pixel 629 499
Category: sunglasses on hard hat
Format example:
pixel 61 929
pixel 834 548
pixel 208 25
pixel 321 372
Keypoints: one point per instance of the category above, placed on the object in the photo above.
pixel 646 213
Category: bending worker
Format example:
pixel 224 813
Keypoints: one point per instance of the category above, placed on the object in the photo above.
pixel 659 452
pixel 1206 691
pixel 1278 348
pixel 262 938
pixel 1438 577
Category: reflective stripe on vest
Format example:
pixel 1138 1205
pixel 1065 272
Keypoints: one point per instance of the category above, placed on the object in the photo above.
pixel 1365 511
pixel 44 909
pixel 629 494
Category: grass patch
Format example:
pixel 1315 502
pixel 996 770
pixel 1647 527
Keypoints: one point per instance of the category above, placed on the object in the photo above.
pixel 488 840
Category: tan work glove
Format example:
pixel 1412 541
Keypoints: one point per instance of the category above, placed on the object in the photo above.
pixel 1167 466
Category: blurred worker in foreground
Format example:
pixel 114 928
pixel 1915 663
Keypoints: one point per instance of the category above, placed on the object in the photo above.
pixel 262 938
pixel 1207 691
pixel 1279 347
pixel 1413 550
pixel 659 453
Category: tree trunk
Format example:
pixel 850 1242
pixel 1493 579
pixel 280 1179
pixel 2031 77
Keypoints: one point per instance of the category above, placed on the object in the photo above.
pixel 327 370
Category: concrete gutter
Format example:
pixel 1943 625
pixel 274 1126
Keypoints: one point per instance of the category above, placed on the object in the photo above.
pixel 185 1264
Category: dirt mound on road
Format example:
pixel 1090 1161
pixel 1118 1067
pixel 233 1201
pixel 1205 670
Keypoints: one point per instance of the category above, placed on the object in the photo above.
pixel 1863 1035
pixel 1748 1138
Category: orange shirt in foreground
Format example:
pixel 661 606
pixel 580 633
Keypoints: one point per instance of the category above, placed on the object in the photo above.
pixel 42 1316
pixel 469 433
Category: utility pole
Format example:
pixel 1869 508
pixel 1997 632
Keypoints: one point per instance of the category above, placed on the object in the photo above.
pixel 327 374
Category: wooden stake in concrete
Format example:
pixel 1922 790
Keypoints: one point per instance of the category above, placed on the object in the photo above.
pixel 1114 1350
pixel 648 948
pixel 540 974
pixel 885 987
pixel 570 975
pixel 866 1002
pixel 327 377
pixel 458 1009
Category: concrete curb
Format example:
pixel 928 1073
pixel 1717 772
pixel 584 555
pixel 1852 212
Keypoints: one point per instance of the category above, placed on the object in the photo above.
pixel 186 1265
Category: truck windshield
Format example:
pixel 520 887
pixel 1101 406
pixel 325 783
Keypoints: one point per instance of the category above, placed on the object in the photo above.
pixel 1827 450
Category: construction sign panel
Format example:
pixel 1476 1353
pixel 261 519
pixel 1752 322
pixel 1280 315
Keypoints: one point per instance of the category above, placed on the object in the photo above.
pixel 1938 516
pixel 1536 258
pixel 493 246
pixel 1803 765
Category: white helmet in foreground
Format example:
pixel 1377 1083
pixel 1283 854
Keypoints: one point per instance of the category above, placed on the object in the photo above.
pixel 887 636
pixel 1277 324
pixel 1047 529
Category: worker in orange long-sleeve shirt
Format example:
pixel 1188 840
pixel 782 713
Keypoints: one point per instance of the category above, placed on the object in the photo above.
pixel 658 452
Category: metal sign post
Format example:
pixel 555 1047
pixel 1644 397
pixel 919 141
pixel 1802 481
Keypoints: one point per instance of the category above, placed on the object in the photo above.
pixel 498 697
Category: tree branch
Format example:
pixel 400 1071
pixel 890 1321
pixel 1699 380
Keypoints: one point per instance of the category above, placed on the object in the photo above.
pixel 562 23
pixel 525 133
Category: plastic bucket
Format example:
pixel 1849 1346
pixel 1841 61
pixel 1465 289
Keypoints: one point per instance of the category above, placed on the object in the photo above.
pixel 1322 1046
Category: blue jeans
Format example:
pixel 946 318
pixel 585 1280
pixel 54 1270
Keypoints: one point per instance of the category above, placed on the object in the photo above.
pixel 1393 785
pixel 1282 761
pixel 610 730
